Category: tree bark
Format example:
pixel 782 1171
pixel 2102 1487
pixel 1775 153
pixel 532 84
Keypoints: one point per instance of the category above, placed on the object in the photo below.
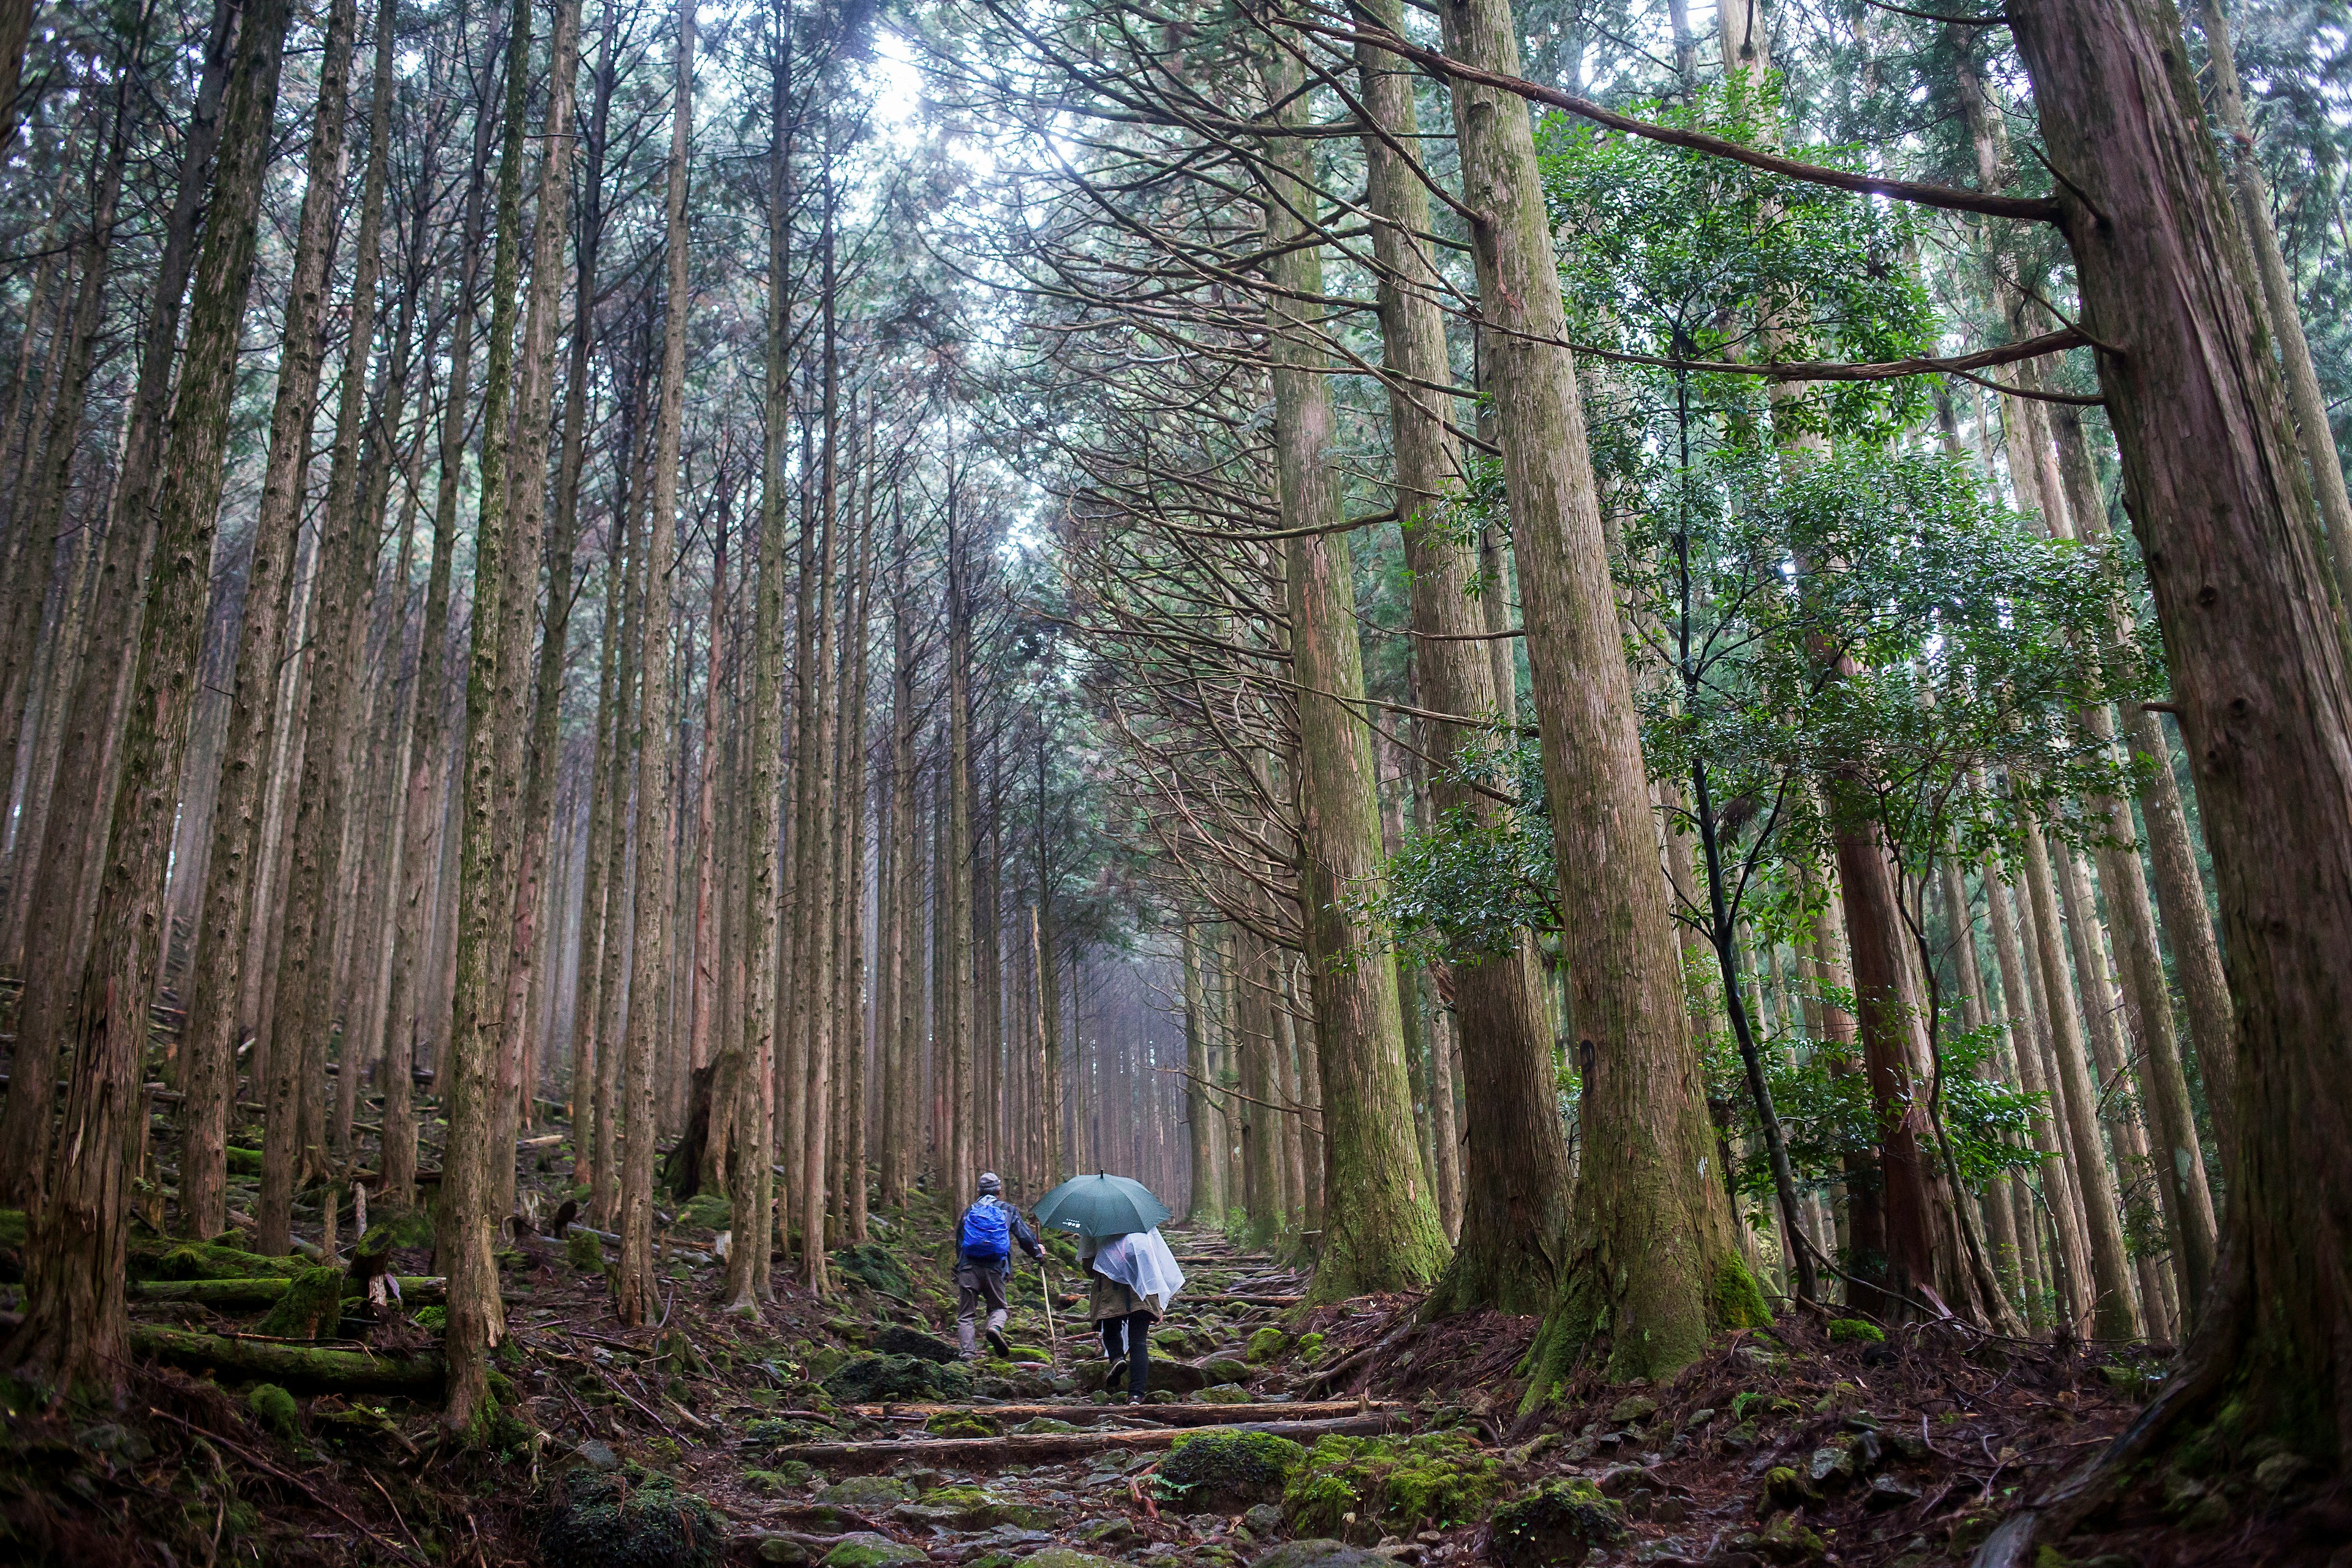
pixel 633 1287
pixel 303 975
pixel 75 1324
pixel 1385 1235
pixel 1655 1263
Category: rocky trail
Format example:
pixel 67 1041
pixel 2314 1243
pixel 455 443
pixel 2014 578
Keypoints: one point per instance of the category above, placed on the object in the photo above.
pixel 843 1432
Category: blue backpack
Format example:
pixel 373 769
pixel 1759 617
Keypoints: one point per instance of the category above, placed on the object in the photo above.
pixel 987 1232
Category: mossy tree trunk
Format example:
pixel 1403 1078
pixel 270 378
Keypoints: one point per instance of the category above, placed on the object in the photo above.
pixel 2253 647
pixel 1514 1216
pixel 75 1324
pixel 1382 1232
pixel 1653 1262
pixel 633 1287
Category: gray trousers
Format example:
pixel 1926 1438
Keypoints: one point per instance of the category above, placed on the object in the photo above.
pixel 975 1285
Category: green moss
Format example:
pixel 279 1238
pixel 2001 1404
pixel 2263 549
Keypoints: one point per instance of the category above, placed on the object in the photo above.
pixel 1737 1301
pixel 1225 1472
pixel 1265 1344
pixel 960 1423
pixel 1845 1331
pixel 1390 1485
pixel 1031 1356
pixel 607 1520
pixel 865 1551
pixel 708 1210
pixel 208 1261
pixel 1560 1523
pixel 877 1379
pixel 583 1252
pixel 432 1320
pixel 1310 1348
pixel 311 1308
pixel 1225 1393
pixel 275 1408
pixel 875 1266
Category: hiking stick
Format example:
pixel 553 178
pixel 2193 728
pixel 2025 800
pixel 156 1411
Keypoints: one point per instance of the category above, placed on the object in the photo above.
pixel 1053 1333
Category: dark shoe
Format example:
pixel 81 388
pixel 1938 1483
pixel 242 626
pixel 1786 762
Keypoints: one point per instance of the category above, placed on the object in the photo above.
pixel 1110 1378
pixel 997 1341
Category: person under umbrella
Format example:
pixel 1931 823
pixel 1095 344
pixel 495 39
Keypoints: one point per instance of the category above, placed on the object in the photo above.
pixel 1132 1278
pixel 985 1236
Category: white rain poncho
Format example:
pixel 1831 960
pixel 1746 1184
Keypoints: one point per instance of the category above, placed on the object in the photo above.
pixel 1140 1261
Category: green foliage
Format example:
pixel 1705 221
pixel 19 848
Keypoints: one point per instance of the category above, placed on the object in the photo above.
pixel 1225 1472
pixel 609 1520
pixel 583 1252
pixel 1822 1099
pixel 1678 254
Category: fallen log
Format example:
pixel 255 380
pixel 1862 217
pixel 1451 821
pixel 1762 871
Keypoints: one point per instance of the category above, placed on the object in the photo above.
pixel 1162 1414
pixel 265 1292
pixel 294 1365
pixel 991 1453
pixel 1240 1301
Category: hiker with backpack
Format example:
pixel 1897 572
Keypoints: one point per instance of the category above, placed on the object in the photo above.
pixel 985 1236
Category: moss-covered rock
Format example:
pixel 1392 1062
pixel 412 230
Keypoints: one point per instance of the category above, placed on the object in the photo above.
pixel 1265 1344
pixel 875 1266
pixel 1031 1356
pixel 1225 1472
pixel 1846 1331
pixel 275 1408
pixel 877 1379
pixel 1066 1557
pixel 1390 1485
pixel 1226 1369
pixel 900 1340
pixel 1042 1424
pixel 311 1308
pixel 866 1492
pixel 610 1520
pixel 1558 1525
pixel 1310 1348
pixel 1225 1393
pixel 960 1423
pixel 584 1252
pixel 863 1549
pixel 1319 1552
pixel 708 1210
pixel 976 1508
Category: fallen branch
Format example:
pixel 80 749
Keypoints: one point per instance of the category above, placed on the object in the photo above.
pixel 987 1453
pixel 1164 1415
pixel 295 1365
pixel 264 1292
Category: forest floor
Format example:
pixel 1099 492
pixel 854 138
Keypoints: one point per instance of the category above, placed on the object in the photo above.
pixel 835 1431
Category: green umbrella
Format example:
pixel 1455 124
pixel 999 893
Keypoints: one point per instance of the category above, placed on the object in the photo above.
pixel 1101 1205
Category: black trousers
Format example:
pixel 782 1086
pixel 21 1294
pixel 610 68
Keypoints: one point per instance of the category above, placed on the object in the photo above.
pixel 1130 1337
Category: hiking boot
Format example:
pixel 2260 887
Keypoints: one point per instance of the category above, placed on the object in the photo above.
pixel 1110 1379
pixel 997 1343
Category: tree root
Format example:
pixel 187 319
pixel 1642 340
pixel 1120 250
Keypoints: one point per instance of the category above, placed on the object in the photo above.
pixel 989 1453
